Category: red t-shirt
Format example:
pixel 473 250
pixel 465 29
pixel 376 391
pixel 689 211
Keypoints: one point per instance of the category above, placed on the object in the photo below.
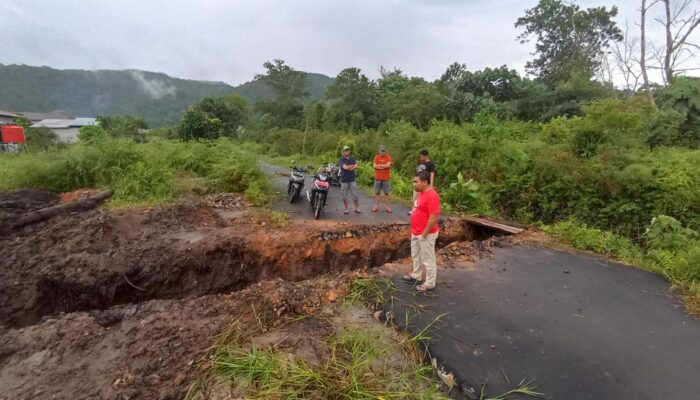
pixel 427 203
pixel 382 174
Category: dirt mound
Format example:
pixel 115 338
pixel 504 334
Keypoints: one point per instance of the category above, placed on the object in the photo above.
pixel 121 304
pixel 14 204
pixel 95 259
pixel 142 351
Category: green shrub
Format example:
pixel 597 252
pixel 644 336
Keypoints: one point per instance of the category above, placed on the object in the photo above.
pixel 139 173
pixel 91 133
pixel 197 124
pixel 666 233
pixel 143 182
pixel 42 139
pixel 464 195
pixel 663 128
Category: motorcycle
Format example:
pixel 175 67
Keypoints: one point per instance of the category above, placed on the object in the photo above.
pixel 297 178
pixel 334 173
pixel 318 194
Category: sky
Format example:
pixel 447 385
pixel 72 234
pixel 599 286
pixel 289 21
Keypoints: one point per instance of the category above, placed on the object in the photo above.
pixel 229 40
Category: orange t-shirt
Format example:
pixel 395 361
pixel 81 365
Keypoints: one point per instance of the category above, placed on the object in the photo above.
pixel 382 174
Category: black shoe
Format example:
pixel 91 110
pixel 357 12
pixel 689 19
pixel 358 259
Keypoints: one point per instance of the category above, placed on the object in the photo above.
pixel 410 279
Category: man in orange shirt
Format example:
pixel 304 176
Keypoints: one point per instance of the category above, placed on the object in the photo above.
pixel 382 177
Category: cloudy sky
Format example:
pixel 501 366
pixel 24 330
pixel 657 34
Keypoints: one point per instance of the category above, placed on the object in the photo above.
pixel 228 40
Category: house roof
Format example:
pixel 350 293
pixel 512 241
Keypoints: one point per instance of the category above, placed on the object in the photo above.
pixel 9 114
pixel 39 116
pixel 65 123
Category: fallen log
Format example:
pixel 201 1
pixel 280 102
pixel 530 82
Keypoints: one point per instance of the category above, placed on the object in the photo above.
pixel 50 212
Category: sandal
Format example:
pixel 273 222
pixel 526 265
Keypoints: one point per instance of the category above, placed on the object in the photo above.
pixel 375 209
pixel 424 289
pixel 389 210
pixel 346 212
pixel 358 212
pixel 410 279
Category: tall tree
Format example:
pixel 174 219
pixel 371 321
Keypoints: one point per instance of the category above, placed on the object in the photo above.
pixel 625 55
pixel 453 74
pixel 643 49
pixel 352 93
pixel 232 110
pixel 679 22
pixel 570 41
pixel 501 84
pixel 286 82
pixel 289 86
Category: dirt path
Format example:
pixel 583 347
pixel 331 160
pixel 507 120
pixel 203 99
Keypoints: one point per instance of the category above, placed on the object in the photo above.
pixel 579 326
pixel 334 209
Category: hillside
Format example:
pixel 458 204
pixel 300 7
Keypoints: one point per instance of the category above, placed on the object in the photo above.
pixel 159 98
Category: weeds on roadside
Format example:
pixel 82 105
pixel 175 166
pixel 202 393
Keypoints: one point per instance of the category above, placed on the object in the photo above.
pixel 523 388
pixel 370 291
pixel 359 365
pixel 359 361
pixel 148 173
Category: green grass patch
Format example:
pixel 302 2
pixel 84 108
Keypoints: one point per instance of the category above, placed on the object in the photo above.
pixel 361 363
pixel 149 173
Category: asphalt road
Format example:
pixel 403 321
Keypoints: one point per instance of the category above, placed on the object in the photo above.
pixel 581 327
pixel 334 208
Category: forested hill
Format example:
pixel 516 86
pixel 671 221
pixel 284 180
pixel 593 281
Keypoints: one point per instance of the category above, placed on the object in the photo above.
pixel 159 98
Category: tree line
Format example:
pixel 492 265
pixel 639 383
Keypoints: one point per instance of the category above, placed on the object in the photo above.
pixel 576 51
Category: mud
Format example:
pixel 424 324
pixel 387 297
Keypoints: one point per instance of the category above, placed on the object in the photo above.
pixel 151 350
pixel 16 203
pixel 122 304
pixel 96 259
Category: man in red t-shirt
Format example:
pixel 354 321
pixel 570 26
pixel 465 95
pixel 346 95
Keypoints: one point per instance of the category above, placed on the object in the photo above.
pixel 382 177
pixel 424 233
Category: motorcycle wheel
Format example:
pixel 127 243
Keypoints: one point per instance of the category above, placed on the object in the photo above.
pixel 318 206
pixel 292 194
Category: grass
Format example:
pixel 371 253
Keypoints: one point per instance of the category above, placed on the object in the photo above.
pixel 370 291
pixel 361 359
pixel 141 174
pixel 359 365
pixel 524 388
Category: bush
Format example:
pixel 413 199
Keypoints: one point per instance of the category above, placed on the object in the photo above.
pixel 139 173
pixel 663 128
pixel 464 195
pixel 199 125
pixel 42 139
pixel 89 134
pixel 143 182
pixel 666 233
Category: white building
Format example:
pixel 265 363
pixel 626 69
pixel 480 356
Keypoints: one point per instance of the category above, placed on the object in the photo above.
pixel 66 129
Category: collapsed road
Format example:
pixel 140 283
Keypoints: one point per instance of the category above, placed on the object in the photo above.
pixel 123 304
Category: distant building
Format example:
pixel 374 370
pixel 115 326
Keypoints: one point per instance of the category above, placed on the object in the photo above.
pixel 35 117
pixel 7 117
pixel 66 129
